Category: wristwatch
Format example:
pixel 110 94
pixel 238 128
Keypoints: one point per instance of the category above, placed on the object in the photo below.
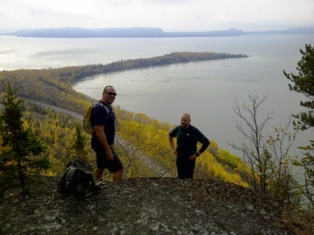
pixel 197 154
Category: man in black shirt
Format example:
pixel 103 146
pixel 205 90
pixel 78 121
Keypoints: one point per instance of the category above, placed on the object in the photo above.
pixel 103 120
pixel 186 150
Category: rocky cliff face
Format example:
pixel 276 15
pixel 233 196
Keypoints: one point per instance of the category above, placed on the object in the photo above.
pixel 145 206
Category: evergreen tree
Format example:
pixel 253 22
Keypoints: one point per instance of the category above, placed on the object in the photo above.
pixel 21 150
pixel 304 83
pixel 79 144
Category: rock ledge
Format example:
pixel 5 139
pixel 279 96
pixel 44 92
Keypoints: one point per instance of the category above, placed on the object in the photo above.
pixel 145 206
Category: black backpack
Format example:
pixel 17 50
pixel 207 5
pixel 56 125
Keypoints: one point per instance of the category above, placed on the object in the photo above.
pixel 77 180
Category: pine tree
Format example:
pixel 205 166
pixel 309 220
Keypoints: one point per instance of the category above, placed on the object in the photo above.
pixel 304 83
pixel 21 152
pixel 79 144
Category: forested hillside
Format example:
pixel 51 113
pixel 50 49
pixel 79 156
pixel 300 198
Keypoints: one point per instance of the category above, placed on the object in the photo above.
pixel 61 132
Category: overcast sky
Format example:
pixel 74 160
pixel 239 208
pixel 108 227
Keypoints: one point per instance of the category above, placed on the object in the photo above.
pixel 170 15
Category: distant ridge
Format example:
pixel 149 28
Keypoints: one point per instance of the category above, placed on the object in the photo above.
pixel 133 32
pixel 299 30
pixel 116 32
pixel 303 30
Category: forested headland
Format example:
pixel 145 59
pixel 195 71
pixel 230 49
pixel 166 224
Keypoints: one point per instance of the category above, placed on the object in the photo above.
pixel 54 85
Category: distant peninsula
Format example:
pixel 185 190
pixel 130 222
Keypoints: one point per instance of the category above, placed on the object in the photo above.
pixel 138 32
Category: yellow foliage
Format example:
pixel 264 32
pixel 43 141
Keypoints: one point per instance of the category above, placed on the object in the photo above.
pixel 146 136
pixel 141 135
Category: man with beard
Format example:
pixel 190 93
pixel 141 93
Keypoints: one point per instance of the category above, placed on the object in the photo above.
pixel 186 150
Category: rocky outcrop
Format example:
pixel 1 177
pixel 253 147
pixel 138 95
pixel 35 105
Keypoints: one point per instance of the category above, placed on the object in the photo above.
pixel 145 206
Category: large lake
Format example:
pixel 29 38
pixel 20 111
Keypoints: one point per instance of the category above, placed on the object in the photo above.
pixel 206 90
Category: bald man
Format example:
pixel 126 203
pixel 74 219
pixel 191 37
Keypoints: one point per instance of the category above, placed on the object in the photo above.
pixel 186 151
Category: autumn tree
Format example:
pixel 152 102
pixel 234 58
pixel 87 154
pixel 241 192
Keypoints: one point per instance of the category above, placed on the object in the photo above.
pixel 303 82
pixel 21 150
pixel 270 165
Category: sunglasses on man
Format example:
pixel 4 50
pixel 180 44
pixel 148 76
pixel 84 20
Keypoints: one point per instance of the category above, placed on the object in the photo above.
pixel 111 93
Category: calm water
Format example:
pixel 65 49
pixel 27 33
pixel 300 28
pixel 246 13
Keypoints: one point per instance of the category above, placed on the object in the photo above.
pixel 206 90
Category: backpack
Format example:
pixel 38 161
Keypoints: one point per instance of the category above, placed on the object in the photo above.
pixel 87 119
pixel 77 180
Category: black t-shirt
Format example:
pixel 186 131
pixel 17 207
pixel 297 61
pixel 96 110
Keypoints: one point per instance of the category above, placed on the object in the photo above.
pixel 187 140
pixel 101 117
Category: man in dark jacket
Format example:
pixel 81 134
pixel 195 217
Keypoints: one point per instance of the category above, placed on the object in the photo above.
pixel 186 150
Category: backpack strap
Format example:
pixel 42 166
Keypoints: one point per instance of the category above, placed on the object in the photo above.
pixel 70 174
pixel 105 107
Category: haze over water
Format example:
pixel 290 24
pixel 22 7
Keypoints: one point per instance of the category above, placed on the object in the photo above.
pixel 206 90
